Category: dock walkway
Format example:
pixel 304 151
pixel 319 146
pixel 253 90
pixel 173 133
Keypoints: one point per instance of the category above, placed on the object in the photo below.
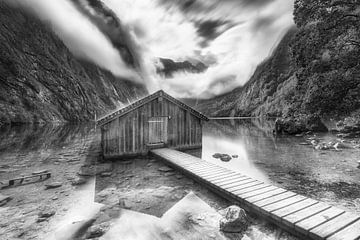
pixel 297 214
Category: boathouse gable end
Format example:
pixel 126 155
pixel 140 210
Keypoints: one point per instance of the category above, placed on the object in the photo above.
pixel 156 121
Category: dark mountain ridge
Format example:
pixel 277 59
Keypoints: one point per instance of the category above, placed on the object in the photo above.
pixel 315 69
pixel 41 80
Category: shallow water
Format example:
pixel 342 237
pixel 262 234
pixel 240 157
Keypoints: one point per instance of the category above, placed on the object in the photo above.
pixel 63 150
pixel 330 175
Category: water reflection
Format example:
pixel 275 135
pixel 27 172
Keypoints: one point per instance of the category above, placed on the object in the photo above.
pixel 267 157
pixel 66 151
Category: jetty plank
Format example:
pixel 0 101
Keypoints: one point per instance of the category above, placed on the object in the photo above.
pixel 332 226
pixel 293 218
pixel 212 173
pixel 231 181
pixel 282 212
pixel 274 199
pixel 231 177
pixel 281 204
pixel 350 232
pixel 250 187
pixel 236 184
pixel 305 225
pixel 265 195
pixel 257 192
pixel 309 218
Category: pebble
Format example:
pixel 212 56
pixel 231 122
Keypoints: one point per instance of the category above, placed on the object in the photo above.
pixel 78 181
pixel 105 174
pixel 167 174
pixel 46 213
pixel 165 169
pixel 53 185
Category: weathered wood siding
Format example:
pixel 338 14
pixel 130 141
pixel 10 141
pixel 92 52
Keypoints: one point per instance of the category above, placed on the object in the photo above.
pixel 129 134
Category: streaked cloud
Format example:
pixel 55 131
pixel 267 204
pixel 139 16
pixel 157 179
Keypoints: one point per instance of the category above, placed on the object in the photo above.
pixel 231 37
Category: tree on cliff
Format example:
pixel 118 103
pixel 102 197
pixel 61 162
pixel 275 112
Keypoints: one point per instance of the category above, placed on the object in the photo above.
pixel 331 14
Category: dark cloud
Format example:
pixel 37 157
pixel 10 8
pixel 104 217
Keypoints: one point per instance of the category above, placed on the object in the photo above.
pixel 253 3
pixel 211 29
pixel 206 5
pixel 264 22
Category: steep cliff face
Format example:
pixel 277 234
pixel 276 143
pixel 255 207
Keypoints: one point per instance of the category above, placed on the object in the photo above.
pixel 314 70
pixel 265 89
pixel 41 81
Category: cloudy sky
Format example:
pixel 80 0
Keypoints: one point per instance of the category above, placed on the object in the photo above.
pixel 230 36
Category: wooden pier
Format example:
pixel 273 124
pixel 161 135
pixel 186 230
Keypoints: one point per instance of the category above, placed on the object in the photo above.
pixel 297 214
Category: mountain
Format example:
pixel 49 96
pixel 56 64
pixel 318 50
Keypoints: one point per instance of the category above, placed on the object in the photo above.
pixel 42 81
pixel 169 67
pixel 315 69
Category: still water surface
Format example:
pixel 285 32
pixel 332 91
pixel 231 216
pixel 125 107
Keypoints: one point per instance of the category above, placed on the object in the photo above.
pixel 330 176
pixel 327 175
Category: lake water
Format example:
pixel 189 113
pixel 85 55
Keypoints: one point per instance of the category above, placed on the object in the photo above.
pixel 327 175
pixel 330 176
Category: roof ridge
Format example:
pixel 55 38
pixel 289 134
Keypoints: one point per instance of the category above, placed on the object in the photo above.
pixel 144 100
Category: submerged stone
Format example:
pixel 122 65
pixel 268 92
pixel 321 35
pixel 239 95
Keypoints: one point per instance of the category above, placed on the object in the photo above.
pixel 166 169
pixel 53 185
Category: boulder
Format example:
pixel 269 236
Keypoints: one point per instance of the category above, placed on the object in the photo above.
pixel 234 221
pixel 97 230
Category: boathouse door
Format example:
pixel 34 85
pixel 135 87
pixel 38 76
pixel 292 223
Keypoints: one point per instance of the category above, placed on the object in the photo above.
pixel 158 130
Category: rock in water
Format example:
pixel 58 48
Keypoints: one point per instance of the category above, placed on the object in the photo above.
pixel 225 158
pixel 217 155
pixel 222 157
pixel 235 220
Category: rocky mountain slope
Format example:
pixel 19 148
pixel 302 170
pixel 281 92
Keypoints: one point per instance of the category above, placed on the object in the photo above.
pixel 41 81
pixel 315 69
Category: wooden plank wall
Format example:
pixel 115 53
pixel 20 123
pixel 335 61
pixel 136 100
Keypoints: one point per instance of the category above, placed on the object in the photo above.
pixel 129 134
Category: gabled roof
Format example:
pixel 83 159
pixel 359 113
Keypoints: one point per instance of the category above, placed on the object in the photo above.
pixel 145 100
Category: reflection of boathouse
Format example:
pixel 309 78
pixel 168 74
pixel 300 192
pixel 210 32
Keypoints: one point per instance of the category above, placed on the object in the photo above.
pixel 157 120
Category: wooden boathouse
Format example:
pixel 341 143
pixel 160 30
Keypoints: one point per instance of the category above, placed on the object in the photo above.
pixel 155 121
